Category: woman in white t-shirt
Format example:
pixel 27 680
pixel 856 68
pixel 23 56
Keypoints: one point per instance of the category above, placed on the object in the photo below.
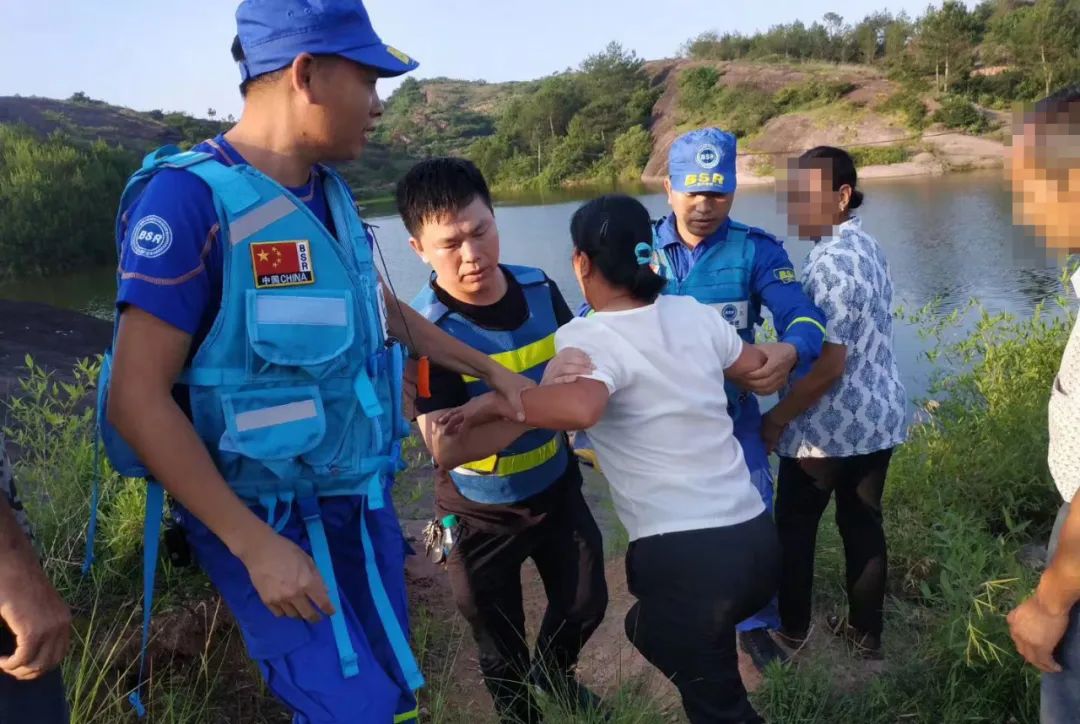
pixel 703 553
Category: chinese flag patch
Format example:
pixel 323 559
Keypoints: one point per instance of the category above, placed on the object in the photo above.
pixel 282 264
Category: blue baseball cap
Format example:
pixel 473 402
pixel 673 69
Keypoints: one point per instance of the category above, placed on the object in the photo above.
pixel 273 32
pixel 703 161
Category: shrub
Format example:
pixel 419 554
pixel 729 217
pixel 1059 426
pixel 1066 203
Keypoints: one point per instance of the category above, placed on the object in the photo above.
pixel 57 202
pixel 812 93
pixel 908 104
pixel 631 152
pixel 880 155
pixel 960 113
pixel 696 87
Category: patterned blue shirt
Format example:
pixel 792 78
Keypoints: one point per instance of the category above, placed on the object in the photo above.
pixel 7 489
pixel 847 277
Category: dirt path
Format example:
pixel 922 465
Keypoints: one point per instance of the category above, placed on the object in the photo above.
pixel 608 664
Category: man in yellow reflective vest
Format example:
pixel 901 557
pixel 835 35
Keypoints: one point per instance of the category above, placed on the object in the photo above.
pixel 516 492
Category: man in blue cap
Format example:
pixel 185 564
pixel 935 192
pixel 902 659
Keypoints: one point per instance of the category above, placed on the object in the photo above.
pixel 256 375
pixel 706 254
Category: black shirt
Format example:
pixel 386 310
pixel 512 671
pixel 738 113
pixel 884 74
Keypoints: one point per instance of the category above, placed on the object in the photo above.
pixel 448 390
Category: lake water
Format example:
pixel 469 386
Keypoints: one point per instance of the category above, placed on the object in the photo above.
pixel 948 239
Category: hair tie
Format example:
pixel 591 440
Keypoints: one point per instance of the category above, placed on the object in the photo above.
pixel 643 253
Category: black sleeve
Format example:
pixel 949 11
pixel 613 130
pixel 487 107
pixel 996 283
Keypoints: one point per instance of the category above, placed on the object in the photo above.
pixel 562 310
pixel 447 390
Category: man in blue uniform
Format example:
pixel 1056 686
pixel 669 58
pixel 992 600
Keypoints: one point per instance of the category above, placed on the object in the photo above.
pixel 705 254
pixel 255 374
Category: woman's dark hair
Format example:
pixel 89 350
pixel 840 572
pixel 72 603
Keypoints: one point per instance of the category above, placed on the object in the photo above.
pixel 615 232
pixel 436 187
pixel 841 168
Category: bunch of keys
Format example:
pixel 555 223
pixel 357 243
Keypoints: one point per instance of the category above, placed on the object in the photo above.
pixel 439 538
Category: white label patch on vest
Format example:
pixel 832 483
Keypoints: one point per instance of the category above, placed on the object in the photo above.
pixel 737 314
pixel 282 264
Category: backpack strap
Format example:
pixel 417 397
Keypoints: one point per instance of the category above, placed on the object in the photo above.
pixel 155 508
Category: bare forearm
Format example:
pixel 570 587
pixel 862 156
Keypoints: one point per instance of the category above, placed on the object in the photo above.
pixel 426 339
pixel 561 407
pixel 181 463
pixel 476 443
pixel 1059 588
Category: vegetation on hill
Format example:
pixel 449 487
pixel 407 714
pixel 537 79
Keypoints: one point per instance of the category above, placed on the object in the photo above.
pixel 572 127
pixel 58 201
pixel 1000 51
pixel 600 122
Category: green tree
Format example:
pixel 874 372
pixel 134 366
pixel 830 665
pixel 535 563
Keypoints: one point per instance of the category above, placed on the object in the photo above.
pixel 1043 39
pixel 57 202
pixel 897 34
pixel 836 29
pixel 869 36
pixel 614 72
pixel 631 151
pixel 696 86
pixel 948 36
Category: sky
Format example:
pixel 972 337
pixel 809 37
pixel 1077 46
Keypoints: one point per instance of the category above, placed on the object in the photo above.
pixel 173 55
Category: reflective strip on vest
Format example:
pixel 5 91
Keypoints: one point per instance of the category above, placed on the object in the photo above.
pixel 514 464
pixel 407 716
pixel 314 311
pixel 524 358
pixel 277 415
pixel 255 221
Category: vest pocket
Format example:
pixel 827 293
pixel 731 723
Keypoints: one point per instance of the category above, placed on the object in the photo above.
pixel 340 451
pixel 274 426
pixel 310 330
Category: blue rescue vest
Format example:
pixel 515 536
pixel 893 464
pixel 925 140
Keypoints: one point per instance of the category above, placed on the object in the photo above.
pixel 722 279
pixel 538 458
pixel 296 390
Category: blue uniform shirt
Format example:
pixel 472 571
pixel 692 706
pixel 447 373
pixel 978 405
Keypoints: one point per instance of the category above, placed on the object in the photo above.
pixel 772 283
pixel 171 261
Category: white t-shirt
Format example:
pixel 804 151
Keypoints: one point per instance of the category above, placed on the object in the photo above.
pixel 665 441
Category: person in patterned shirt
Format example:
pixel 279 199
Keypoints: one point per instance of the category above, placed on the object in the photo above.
pixel 836 427
pixel 1046 182
pixel 35 624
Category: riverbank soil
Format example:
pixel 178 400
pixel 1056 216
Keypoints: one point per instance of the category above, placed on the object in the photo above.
pixel 609 663
pixel 55 338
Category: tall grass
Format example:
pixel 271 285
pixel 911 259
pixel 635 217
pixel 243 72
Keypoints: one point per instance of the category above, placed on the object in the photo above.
pixel 198 680
pixel 966 493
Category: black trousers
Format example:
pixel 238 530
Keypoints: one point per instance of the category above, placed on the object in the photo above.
pixel 485 575
pixel 41 700
pixel 692 588
pixel 858 482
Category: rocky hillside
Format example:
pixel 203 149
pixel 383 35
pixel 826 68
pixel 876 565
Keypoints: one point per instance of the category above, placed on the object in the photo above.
pixel 777 109
pixel 85 120
pixel 804 104
pixel 857 107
